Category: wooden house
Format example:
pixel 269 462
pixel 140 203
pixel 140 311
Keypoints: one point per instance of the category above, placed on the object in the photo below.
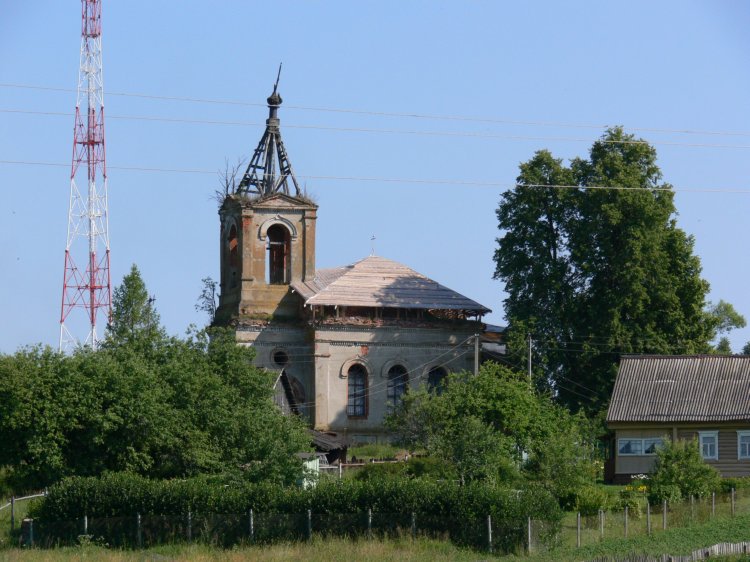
pixel 701 397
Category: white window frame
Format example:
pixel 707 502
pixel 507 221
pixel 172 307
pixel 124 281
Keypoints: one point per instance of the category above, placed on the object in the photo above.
pixel 715 435
pixel 740 434
pixel 643 440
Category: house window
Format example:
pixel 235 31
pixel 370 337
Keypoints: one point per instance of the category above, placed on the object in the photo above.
pixel 630 447
pixel 436 380
pixel 356 406
pixel 398 382
pixel 651 445
pixel 639 447
pixel 743 444
pixel 709 443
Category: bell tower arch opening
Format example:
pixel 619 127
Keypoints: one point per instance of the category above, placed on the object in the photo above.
pixel 278 263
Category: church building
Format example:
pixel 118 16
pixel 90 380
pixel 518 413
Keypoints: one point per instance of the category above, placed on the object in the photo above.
pixel 348 341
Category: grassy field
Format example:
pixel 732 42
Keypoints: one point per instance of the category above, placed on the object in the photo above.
pixel 673 541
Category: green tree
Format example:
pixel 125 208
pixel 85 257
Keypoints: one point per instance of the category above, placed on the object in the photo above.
pixel 134 317
pixel 593 273
pixel 495 427
pixel 207 299
pixel 144 403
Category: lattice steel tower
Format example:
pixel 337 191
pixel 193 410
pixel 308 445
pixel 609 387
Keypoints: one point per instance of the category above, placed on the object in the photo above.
pixel 87 287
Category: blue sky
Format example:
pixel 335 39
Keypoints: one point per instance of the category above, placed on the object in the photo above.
pixel 570 68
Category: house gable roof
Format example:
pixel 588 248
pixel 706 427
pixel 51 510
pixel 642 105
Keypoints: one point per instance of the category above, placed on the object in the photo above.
pixel 382 283
pixel 681 388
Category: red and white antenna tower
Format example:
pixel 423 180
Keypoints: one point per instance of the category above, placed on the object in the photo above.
pixel 88 286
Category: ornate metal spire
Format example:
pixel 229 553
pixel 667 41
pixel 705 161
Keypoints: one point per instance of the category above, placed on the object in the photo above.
pixel 260 177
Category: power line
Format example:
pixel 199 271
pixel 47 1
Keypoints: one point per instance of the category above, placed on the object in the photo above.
pixel 410 115
pixel 457 182
pixel 467 134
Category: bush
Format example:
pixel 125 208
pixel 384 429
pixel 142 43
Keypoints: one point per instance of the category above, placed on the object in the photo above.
pixel 727 484
pixel 123 494
pixel 680 472
pixel 631 498
pixel 590 499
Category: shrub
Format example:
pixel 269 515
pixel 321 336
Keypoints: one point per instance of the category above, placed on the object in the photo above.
pixel 590 499
pixel 727 484
pixel 631 498
pixel 680 467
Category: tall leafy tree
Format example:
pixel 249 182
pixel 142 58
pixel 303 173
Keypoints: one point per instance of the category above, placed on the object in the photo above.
pixel 595 266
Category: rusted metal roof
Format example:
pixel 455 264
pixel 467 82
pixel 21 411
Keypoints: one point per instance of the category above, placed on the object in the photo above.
pixel 685 388
pixel 382 283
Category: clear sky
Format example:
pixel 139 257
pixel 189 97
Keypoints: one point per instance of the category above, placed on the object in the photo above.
pixel 537 74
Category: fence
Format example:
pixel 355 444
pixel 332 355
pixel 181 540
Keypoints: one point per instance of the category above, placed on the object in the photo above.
pixel 11 507
pixel 225 530
pixel 493 534
pixel 639 519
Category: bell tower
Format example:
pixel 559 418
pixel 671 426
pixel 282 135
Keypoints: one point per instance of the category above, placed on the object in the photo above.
pixel 267 235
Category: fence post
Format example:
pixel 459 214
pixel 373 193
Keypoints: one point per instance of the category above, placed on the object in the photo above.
pixel 252 525
pixel 31 532
pixel 626 521
pixel 732 502
pixel 309 524
pixel 664 515
pixel 489 533
pixel 85 524
pixel 578 530
pixel 648 518
pixel 369 522
pixel 12 513
pixel 189 526
pixel 341 470
pixel 528 535
pixel 692 507
pixel 413 525
pixel 713 504
pixel 138 532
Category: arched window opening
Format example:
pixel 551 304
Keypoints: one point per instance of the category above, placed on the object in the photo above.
pixel 398 384
pixel 279 256
pixel 233 258
pixel 356 405
pixel 436 380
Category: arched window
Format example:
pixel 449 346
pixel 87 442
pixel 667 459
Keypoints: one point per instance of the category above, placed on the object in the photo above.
pixel 233 254
pixel 279 258
pixel 356 405
pixel 436 380
pixel 398 383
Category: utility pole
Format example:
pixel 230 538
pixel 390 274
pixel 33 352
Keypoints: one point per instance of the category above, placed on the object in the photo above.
pixel 529 366
pixel 86 280
pixel 476 354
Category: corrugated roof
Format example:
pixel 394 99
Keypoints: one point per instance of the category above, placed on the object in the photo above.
pixel 682 388
pixel 380 282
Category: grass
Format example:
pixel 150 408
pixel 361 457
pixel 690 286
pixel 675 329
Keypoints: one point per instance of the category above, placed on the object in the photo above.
pixel 422 550
pixel 376 451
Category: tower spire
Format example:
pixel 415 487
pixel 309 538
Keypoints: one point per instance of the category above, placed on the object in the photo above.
pixel 87 287
pixel 261 178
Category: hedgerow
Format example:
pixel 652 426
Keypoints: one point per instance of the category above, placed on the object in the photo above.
pixel 124 494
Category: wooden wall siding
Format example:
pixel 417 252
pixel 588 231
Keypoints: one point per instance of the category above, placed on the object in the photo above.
pixel 728 463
